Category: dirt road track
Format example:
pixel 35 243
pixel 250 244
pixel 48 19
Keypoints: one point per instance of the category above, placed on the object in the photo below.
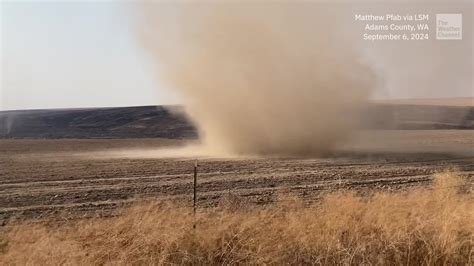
pixel 41 179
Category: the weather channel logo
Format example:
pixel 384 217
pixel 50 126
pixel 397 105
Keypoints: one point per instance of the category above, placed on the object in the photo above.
pixel 449 26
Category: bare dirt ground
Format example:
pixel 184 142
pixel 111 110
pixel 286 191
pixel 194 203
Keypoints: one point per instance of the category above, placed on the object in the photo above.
pixel 67 179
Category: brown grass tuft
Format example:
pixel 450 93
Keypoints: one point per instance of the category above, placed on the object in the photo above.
pixel 433 225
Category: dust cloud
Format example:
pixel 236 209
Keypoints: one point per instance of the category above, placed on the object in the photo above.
pixel 259 78
pixel 294 77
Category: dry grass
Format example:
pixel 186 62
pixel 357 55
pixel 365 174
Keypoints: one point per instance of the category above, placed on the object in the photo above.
pixel 425 226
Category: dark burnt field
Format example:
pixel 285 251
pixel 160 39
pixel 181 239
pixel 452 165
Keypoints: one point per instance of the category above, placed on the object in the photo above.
pixel 68 179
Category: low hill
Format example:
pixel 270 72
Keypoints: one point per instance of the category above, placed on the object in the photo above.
pixel 122 122
pixel 159 122
pixel 420 116
pixel 459 102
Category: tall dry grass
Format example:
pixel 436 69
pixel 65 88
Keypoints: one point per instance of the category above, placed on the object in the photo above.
pixel 424 226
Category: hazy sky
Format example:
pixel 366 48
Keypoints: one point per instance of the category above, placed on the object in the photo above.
pixel 64 54
pixel 81 54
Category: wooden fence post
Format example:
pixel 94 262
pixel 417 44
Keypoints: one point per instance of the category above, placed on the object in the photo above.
pixel 195 191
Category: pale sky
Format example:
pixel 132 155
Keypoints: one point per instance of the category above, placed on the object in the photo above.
pixel 73 54
pixel 68 54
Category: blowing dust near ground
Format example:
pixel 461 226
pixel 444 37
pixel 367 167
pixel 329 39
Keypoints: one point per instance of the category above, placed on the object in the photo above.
pixel 259 78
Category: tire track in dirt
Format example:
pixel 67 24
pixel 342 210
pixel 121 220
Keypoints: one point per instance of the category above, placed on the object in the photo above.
pixel 305 178
pixel 35 186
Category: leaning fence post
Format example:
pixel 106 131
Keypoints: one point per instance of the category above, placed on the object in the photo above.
pixel 195 192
